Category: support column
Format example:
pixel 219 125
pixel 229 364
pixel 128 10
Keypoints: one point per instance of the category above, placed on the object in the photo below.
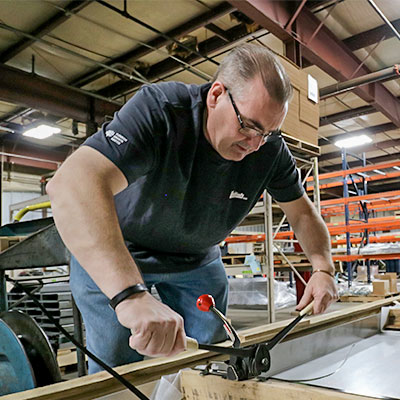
pixel 346 215
pixel 317 195
pixel 269 253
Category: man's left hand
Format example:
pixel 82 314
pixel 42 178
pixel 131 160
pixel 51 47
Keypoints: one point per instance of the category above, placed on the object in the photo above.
pixel 322 289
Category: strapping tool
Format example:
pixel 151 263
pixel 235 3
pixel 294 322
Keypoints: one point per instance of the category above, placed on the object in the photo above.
pixel 247 362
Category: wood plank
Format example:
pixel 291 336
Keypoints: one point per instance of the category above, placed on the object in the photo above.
pixel 365 299
pixel 197 387
pixel 100 384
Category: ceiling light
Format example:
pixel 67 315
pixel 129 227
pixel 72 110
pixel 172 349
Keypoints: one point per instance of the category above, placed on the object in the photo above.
pixel 353 141
pixel 398 168
pixel 42 131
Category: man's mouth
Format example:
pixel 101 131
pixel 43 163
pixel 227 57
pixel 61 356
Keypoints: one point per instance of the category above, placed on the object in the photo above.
pixel 242 148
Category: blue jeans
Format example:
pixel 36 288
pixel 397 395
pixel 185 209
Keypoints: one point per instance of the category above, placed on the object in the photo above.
pixel 109 340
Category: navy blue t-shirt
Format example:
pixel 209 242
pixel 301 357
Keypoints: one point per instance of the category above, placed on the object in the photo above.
pixel 182 197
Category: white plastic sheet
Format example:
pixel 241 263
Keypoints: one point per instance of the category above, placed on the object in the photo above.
pixel 168 388
pixel 252 292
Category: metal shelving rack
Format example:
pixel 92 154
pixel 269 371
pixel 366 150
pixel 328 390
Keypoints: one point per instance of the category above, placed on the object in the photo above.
pixel 365 204
pixel 272 238
pixel 371 224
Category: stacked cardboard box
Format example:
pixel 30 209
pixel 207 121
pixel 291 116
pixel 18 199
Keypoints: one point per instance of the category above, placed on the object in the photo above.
pixel 380 287
pixel 391 278
pixel 302 120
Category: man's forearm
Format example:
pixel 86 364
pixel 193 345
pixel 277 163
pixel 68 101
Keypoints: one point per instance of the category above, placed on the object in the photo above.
pixel 314 238
pixel 84 212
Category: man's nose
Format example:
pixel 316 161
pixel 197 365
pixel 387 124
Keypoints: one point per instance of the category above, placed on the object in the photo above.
pixel 255 142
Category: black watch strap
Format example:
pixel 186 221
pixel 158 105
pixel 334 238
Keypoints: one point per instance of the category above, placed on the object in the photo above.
pixel 121 296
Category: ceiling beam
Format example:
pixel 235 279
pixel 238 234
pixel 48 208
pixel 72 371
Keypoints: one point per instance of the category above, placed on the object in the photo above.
pixel 19 87
pixel 372 36
pixel 361 149
pixel 46 27
pixel 322 48
pixel 39 171
pixel 348 114
pixel 218 31
pixel 142 50
pixel 33 155
pixel 371 130
pixel 169 65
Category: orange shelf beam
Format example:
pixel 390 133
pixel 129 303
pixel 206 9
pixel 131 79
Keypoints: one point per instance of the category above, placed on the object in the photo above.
pixel 371 220
pixel 374 178
pixel 376 206
pixel 367 197
pixel 354 257
pixel 372 239
pixel 373 225
pixel 343 173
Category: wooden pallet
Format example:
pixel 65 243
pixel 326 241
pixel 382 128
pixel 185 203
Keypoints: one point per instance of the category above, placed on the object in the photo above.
pixel 365 299
pixel 300 145
pixel 233 260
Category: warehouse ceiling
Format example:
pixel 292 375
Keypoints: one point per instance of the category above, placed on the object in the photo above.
pixel 72 64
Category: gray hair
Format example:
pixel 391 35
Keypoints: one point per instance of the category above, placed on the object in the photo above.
pixel 247 61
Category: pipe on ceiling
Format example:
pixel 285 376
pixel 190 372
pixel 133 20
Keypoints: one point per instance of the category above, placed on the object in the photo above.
pixel 389 73
pixel 383 16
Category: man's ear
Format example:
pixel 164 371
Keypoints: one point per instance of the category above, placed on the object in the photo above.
pixel 217 89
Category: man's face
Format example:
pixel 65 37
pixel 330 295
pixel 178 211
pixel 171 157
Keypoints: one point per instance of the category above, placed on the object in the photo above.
pixel 256 109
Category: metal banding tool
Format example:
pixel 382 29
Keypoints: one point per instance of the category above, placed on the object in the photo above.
pixel 248 362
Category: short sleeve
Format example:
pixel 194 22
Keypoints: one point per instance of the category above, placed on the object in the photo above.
pixel 285 185
pixel 129 140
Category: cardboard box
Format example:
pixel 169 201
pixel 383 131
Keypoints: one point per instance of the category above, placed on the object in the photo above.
pixel 302 120
pixel 391 277
pixel 308 112
pixel 291 125
pixel 295 73
pixel 380 287
pixel 308 134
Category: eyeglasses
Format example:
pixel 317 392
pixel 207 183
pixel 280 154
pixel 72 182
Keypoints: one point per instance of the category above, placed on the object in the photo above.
pixel 251 131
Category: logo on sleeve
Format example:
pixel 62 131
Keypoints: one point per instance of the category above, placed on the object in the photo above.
pixel 236 195
pixel 116 137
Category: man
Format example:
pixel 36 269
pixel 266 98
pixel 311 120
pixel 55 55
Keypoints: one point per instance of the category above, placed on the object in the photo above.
pixel 146 200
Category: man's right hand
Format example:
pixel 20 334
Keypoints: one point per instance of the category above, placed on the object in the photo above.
pixel 157 330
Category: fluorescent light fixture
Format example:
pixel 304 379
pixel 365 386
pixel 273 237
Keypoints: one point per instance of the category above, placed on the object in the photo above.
pixel 42 131
pixel 398 168
pixel 379 172
pixel 353 141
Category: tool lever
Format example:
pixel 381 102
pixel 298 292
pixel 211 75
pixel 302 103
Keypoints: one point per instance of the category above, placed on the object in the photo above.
pixel 283 333
pixel 230 330
pixel 244 363
pixel 193 344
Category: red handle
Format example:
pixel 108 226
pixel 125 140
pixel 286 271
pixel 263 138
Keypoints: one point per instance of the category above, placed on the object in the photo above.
pixel 205 302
